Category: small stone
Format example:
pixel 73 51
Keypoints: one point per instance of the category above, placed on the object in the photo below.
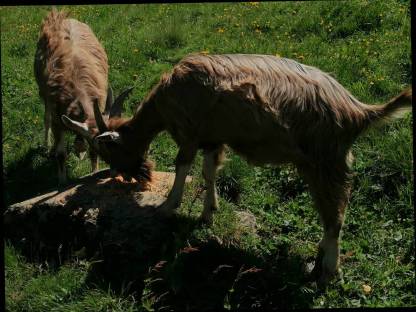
pixel 247 220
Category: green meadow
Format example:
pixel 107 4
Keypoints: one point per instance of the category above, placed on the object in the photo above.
pixel 364 44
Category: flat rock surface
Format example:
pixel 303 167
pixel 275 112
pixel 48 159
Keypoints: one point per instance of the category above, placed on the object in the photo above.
pixel 105 190
pixel 95 205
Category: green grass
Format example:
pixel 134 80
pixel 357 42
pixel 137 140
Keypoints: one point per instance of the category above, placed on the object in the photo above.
pixel 364 44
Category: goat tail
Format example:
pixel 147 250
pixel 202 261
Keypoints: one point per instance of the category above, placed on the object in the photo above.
pixel 393 109
pixel 51 29
pixel 54 19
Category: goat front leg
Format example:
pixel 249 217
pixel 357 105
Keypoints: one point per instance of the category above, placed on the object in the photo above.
pixel 47 119
pixel 212 163
pixel 80 147
pixel 47 124
pixel 60 152
pixel 183 164
pixel 94 160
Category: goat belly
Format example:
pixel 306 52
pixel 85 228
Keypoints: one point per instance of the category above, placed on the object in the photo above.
pixel 264 152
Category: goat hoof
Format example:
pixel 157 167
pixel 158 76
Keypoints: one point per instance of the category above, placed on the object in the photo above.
pixel 327 278
pixel 113 173
pixel 51 154
pixel 62 181
pixel 165 211
pixel 127 177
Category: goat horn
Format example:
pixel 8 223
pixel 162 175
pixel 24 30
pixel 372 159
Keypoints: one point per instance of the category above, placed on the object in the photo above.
pixel 102 127
pixel 78 127
pixel 117 106
pixel 109 136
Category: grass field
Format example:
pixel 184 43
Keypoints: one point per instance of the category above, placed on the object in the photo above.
pixel 364 44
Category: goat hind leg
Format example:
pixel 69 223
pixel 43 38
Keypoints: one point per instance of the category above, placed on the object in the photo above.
pixel 212 162
pixel 332 210
pixel 330 195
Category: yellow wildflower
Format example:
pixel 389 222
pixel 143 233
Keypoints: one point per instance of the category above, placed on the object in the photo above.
pixel 366 289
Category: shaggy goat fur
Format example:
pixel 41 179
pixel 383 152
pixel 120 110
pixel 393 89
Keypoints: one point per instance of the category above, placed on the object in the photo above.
pixel 267 109
pixel 71 71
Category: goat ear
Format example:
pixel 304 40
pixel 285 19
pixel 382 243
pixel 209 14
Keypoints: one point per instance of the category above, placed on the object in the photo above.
pixel 109 136
pixel 102 127
pixel 78 127
pixel 109 102
pixel 117 107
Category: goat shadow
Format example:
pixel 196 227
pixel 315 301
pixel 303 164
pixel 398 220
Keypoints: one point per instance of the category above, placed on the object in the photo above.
pixel 28 176
pixel 133 251
pixel 33 174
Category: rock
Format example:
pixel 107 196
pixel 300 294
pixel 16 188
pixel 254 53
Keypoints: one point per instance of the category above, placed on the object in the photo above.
pixel 247 221
pixel 95 210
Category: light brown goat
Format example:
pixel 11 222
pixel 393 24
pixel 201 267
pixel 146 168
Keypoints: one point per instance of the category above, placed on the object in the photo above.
pixel 71 71
pixel 267 109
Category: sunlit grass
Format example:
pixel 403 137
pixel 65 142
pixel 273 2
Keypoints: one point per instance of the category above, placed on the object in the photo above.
pixel 364 44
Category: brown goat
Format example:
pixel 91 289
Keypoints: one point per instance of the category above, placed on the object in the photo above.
pixel 267 109
pixel 71 71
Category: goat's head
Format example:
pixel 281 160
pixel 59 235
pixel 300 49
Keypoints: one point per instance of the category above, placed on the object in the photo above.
pixel 107 136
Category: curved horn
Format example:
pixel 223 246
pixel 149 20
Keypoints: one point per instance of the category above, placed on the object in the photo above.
pixel 102 127
pixel 117 106
pixel 110 100
pixel 79 127
pixel 109 136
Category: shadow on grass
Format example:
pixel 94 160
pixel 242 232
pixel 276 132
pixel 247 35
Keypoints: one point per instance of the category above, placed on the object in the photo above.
pixel 157 260
pixel 34 174
pixel 29 176
pixel 210 276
